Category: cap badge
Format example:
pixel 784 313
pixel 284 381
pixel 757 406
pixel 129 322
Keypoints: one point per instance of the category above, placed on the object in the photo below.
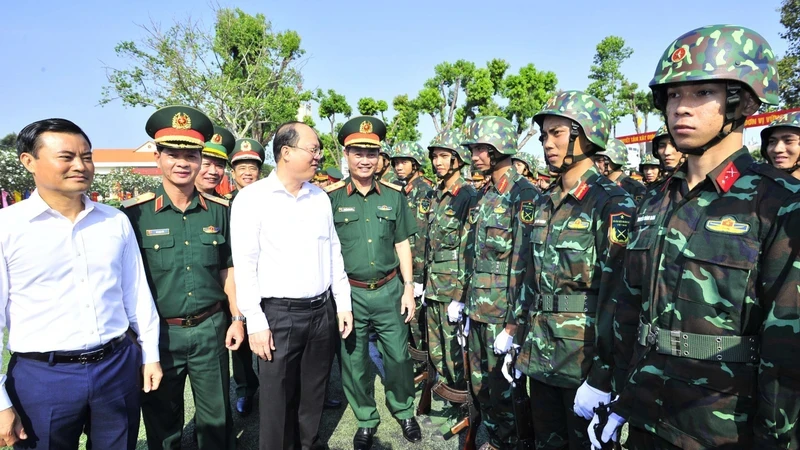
pixel 181 121
pixel 246 147
pixel 366 127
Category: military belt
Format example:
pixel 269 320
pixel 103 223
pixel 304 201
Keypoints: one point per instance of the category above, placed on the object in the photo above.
pixel 705 347
pixel 576 303
pixel 373 284
pixel 496 267
pixel 445 255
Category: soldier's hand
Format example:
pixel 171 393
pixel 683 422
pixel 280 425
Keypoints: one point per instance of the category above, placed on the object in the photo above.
pixel 235 335
pixel 345 323
pixel 262 345
pixel 151 376
pixel 11 429
pixel 407 304
pixel 609 433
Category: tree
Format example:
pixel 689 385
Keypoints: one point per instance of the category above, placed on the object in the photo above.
pixel 368 106
pixel 13 176
pixel 609 84
pixel 121 180
pixel 401 127
pixel 244 75
pixel 789 65
pixel 527 92
pixel 9 141
pixel 440 95
pixel 330 104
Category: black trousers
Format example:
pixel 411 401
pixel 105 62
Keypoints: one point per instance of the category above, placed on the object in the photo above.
pixel 293 383
pixel 555 423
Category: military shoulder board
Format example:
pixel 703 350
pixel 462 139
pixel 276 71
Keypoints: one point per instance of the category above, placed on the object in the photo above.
pixel 332 187
pixel 216 199
pixel 138 200
pixel 393 186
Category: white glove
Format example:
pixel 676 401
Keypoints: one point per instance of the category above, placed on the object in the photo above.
pixel 462 337
pixel 419 290
pixel 454 310
pixel 610 431
pixel 502 343
pixel 506 374
pixel 587 399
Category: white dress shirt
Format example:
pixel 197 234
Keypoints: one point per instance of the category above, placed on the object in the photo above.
pixel 284 246
pixel 68 286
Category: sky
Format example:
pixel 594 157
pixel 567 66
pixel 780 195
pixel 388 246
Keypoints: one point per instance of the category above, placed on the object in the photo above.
pixel 56 52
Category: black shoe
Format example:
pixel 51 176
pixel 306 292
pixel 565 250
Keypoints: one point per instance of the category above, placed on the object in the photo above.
pixel 411 430
pixel 244 405
pixel 363 438
pixel 332 404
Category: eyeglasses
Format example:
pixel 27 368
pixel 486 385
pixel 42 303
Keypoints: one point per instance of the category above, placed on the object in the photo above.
pixel 315 151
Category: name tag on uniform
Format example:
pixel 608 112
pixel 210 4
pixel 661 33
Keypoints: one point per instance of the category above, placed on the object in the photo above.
pixel 211 229
pixel 158 232
pixel 347 209
pixel 539 222
pixel 384 208
pixel 646 218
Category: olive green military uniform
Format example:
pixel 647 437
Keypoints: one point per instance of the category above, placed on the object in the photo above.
pixel 183 253
pixel 369 226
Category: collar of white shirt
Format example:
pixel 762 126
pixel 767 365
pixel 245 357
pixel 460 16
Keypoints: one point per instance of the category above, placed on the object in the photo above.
pixel 35 206
pixel 274 184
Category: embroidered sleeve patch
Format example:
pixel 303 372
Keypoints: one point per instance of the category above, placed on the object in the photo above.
pixel 526 212
pixel 618 228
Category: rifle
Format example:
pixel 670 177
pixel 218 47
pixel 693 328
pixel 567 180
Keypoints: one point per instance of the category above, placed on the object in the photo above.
pixel 603 412
pixel 523 420
pixel 472 418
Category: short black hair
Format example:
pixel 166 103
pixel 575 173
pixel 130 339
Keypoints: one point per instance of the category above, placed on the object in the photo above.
pixel 28 139
pixel 285 135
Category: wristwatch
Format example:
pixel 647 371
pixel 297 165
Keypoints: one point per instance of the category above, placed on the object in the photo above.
pixel 408 283
pixel 242 319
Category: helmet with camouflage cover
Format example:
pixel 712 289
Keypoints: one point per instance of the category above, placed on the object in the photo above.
pixel 616 152
pixel 450 140
pixel 736 55
pixel 496 131
pixel 649 160
pixel 789 120
pixel 660 133
pixel 584 109
pixel 386 149
pixel 409 149
pixel 527 159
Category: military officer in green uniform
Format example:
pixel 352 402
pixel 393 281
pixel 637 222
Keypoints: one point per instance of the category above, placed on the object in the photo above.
pixel 497 268
pixel 183 235
pixel 407 160
pixel 447 246
pixel 616 156
pixel 374 223
pixel 215 159
pixel 385 171
pixel 247 158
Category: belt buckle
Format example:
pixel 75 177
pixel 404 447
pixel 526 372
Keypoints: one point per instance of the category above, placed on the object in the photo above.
pixel 189 322
pixel 83 358
pixel 372 286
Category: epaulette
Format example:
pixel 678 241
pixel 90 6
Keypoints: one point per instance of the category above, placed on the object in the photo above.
pixel 138 200
pixel 779 176
pixel 332 187
pixel 390 185
pixel 216 199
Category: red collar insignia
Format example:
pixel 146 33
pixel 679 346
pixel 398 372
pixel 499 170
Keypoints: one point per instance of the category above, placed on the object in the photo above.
pixel 728 176
pixel 581 191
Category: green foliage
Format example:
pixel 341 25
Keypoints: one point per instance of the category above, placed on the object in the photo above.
pixel 9 140
pixel 242 73
pixel 527 92
pixel 13 176
pixel 403 126
pixel 608 83
pixel 331 104
pixel 121 180
pixel 789 65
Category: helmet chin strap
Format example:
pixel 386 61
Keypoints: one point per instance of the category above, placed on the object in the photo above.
pixel 731 103
pixel 570 159
pixel 414 169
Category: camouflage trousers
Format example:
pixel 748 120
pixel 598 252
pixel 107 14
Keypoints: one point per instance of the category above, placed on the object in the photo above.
pixel 443 346
pixel 638 438
pixel 417 335
pixel 492 391
pixel 554 422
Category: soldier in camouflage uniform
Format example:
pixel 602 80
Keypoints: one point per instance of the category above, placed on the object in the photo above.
pixel 616 156
pixel 650 167
pixel 780 143
pixel 496 270
pixel 407 160
pixel 444 290
pixel 664 150
pixel 578 232
pixel 385 171
pixel 543 178
pixel 707 320
pixel 525 166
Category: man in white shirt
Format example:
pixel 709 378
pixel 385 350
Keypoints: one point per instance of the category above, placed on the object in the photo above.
pixel 288 262
pixel 71 284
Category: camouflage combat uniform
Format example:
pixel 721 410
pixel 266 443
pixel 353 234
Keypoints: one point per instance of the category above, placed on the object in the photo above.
pixel 617 152
pixel 577 241
pixel 707 316
pixel 447 266
pixel 650 160
pixel 496 277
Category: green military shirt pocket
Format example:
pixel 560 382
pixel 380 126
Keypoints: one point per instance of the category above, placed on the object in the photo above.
pixel 498 234
pixel 209 250
pixel 637 254
pixel 159 252
pixel 716 273
pixel 346 223
pixel 450 235
pixel 387 220
pixel 577 254
pixel 572 345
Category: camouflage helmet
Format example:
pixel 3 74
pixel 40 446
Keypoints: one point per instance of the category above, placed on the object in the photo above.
pixel 616 151
pixel 649 160
pixel 790 120
pixel 527 159
pixel 450 140
pixel 409 149
pixel 496 131
pixel 660 133
pixel 589 112
pixel 718 52
pixel 386 149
